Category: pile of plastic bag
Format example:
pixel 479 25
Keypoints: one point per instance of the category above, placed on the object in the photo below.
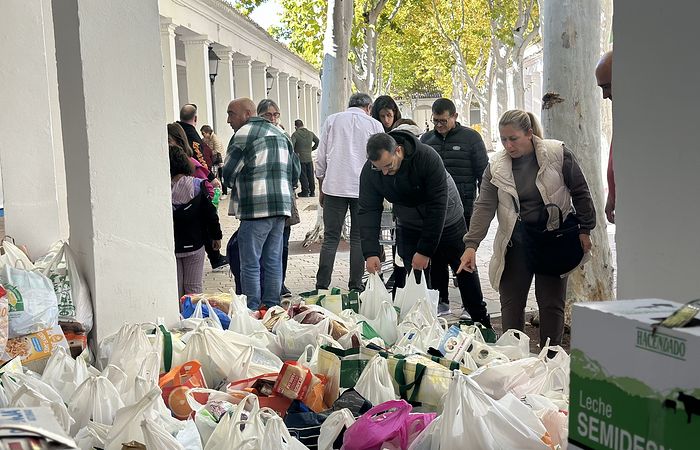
pixel 43 305
pixel 336 370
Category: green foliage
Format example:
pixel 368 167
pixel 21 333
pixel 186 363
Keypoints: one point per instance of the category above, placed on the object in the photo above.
pixel 302 26
pixel 245 6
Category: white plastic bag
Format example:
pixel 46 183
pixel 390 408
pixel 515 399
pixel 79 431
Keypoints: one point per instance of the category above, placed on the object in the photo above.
pixel 212 316
pixel 96 400
pixel 484 354
pixel 241 321
pixel 375 383
pixel 27 390
pixel 333 426
pixel 253 362
pixel 13 256
pixel 216 350
pixel 407 296
pixel 32 301
pixel 61 373
pixel 127 423
pixel 156 437
pixel 294 336
pixel 372 297
pixel 228 433
pixel 514 344
pixel 277 437
pixel 520 377
pixel 92 436
pixel 471 416
pixel 72 291
pixel 385 323
pixel 204 422
pixel 189 436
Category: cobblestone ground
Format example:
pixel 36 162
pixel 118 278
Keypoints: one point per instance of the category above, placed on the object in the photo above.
pixel 303 262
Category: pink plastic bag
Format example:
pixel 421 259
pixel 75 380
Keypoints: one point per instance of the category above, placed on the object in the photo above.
pixel 390 421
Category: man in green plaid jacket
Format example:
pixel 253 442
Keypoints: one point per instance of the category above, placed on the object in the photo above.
pixel 259 168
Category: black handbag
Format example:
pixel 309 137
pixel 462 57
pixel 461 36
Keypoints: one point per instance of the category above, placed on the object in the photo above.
pixel 554 252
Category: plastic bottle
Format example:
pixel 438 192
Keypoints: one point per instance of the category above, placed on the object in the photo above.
pixel 217 197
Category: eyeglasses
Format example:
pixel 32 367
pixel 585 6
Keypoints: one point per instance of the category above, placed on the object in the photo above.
pixel 440 121
pixel 270 115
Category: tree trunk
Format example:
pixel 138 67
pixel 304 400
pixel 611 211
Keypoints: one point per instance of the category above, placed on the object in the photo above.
pixel 501 61
pixel 518 81
pixel 458 92
pixel 571 113
pixel 335 80
pixel 606 45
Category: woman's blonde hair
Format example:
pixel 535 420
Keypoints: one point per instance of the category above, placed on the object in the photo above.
pixel 522 120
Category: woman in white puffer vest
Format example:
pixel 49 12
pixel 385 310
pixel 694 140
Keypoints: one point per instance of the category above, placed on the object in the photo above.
pixel 519 181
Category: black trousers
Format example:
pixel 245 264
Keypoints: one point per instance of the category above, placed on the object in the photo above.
pixel 306 178
pixel 448 253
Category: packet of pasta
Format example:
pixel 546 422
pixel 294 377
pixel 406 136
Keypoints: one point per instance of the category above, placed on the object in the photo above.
pixel 35 349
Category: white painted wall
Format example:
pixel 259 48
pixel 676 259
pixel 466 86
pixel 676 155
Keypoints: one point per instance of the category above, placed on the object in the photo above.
pixel 27 155
pixel 656 149
pixel 116 159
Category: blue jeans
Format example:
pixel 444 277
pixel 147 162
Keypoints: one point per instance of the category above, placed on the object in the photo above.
pixel 260 243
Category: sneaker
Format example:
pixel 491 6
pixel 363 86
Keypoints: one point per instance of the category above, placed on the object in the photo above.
pixel 444 309
pixel 285 292
pixel 303 194
pixel 313 194
pixel 465 316
pixel 220 265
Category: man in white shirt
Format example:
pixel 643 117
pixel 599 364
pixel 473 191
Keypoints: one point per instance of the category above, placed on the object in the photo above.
pixel 341 154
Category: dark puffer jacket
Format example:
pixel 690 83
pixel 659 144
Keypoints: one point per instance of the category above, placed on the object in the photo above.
pixel 464 155
pixel 423 195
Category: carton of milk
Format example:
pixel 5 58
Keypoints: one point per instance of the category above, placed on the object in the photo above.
pixel 633 387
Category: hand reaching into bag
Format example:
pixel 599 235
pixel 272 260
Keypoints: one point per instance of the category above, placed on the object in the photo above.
pixel 468 261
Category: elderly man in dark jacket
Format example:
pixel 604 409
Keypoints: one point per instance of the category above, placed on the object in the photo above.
pixel 427 206
pixel 464 154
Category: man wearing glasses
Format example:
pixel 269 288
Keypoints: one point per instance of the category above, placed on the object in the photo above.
pixel 429 216
pixel 464 154
pixel 339 160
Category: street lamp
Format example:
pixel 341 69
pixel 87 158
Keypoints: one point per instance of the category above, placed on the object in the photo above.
pixel 269 80
pixel 213 64
pixel 213 72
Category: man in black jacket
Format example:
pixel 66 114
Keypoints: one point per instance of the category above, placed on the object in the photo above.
pixel 430 222
pixel 464 154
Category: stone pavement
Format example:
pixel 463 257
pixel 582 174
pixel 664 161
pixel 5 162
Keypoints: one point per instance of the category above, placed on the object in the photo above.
pixel 303 263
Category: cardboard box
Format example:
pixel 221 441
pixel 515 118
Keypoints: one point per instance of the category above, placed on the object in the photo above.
pixel 632 388
pixel 35 349
pixel 32 428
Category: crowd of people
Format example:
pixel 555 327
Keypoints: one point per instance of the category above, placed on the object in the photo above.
pixel 443 189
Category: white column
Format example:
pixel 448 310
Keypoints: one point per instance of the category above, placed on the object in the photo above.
pixel 120 214
pixel 309 107
pixel 293 100
pixel 242 78
pixel 259 81
pixel 314 109
pixel 198 83
pixel 167 49
pixel 32 212
pixel 223 94
pixel 301 93
pixel 287 119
